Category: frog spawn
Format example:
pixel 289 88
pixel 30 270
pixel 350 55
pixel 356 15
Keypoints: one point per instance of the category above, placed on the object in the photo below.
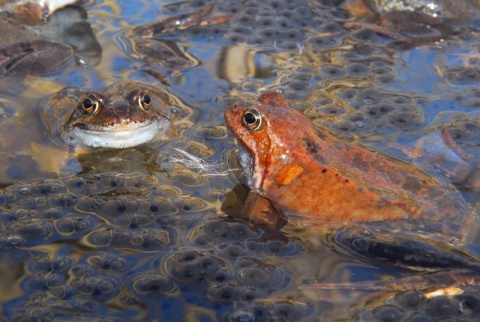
pixel 310 66
pixel 260 23
pixel 360 110
pixel 297 83
pixel 96 279
pixel 415 306
pixel 226 262
pixel 307 68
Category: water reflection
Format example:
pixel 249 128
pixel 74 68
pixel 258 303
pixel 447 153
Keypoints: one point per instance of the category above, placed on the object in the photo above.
pixel 139 234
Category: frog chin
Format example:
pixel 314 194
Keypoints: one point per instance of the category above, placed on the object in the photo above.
pixel 116 136
pixel 253 174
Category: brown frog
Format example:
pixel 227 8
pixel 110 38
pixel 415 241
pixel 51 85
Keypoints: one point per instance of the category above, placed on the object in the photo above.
pixel 47 47
pixel 81 122
pixel 410 20
pixel 374 205
pixel 121 115
pixel 145 43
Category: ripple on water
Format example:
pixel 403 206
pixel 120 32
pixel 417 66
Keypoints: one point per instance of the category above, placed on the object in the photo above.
pixel 110 244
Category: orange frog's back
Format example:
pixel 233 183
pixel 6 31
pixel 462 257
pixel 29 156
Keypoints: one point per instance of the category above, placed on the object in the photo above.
pixel 316 179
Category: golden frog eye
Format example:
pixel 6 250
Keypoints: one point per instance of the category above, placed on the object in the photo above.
pixel 252 120
pixel 89 105
pixel 144 101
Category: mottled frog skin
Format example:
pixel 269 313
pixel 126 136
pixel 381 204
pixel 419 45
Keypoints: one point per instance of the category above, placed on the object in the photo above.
pixel 121 115
pixel 317 180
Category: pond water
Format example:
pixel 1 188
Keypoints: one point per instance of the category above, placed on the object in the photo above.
pixel 139 234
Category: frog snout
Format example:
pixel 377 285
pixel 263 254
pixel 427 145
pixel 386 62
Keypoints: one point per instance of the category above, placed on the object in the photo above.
pixel 122 110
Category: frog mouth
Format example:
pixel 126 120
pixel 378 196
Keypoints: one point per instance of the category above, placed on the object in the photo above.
pixel 117 136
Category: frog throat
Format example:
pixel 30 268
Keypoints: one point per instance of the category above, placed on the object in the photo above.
pixel 253 174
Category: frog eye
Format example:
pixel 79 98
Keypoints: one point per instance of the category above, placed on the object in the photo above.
pixel 252 120
pixel 89 105
pixel 144 101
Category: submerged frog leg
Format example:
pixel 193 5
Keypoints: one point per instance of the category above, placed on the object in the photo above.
pixel 243 203
pixel 396 248
pixel 439 152
pixel 444 283
pixel 260 210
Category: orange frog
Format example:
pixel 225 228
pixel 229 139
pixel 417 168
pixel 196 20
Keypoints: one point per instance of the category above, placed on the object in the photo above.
pixel 377 206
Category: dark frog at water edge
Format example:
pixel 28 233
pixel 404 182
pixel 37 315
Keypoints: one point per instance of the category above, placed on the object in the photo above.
pixel 120 115
pixel 316 180
pixel 414 20
pixel 65 38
